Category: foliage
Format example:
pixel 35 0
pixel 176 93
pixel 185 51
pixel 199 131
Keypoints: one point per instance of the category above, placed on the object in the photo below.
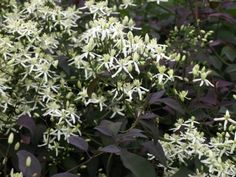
pixel 117 88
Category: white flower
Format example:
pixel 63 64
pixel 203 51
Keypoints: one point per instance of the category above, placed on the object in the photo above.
pixel 139 89
pixel 52 109
pixel 117 110
pixel 126 3
pixel 227 118
pixel 150 156
pixel 203 81
pixel 97 100
pixel 13 174
pixel 203 76
pixel 82 95
pixel 121 65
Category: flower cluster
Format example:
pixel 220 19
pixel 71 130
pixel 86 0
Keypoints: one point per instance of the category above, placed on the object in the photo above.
pixel 188 143
pixel 200 75
pixel 69 68
pixel 65 62
pixel 62 61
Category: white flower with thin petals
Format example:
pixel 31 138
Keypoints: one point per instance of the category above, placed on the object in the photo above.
pixel 226 118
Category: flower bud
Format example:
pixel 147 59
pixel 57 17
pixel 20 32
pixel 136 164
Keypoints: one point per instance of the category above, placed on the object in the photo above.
pixel 130 67
pixel 125 20
pixel 178 57
pixel 35 175
pixel 28 161
pixel 131 23
pixel 79 84
pixel 69 95
pixel 203 31
pixel 183 57
pixel 130 36
pixel 231 128
pixel 83 166
pixel 234 96
pixel 4 161
pixel 135 56
pixel 176 28
pixel 10 138
pixel 161 69
pixel 146 39
pixel 17 146
pixel 195 70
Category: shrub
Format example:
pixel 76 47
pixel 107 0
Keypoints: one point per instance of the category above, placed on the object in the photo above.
pixel 82 92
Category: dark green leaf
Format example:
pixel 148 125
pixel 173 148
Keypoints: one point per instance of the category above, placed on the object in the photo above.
pixel 172 104
pixel 27 122
pixel 66 174
pixel 154 97
pixel 138 165
pixel 150 125
pixel 34 169
pixel 183 172
pixel 109 128
pixel 157 150
pixel 231 68
pixel 110 149
pixel 78 142
pixel 92 86
pixel 229 52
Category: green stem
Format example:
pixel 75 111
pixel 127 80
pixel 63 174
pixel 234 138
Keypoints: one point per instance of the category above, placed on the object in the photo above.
pixel 167 9
pixel 85 162
pixel 108 165
pixel 219 57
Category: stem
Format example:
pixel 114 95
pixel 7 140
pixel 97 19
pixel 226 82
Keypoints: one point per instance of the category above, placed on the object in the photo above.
pixel 218 56
pixel 92 139
pixel 108 165
pixel 193 13
pixel 85 162
pixel 167 9
pixel 6 157
pixel 139 113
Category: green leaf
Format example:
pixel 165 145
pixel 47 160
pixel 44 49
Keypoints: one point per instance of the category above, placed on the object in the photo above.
pixel 138 165
pixel 231 68
pixel 227 35
pixel 215 61
pixel 229 52
pixel 108 128
pixel 33 169
pixel 231 11
pixel 157 150
pixel 174 104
